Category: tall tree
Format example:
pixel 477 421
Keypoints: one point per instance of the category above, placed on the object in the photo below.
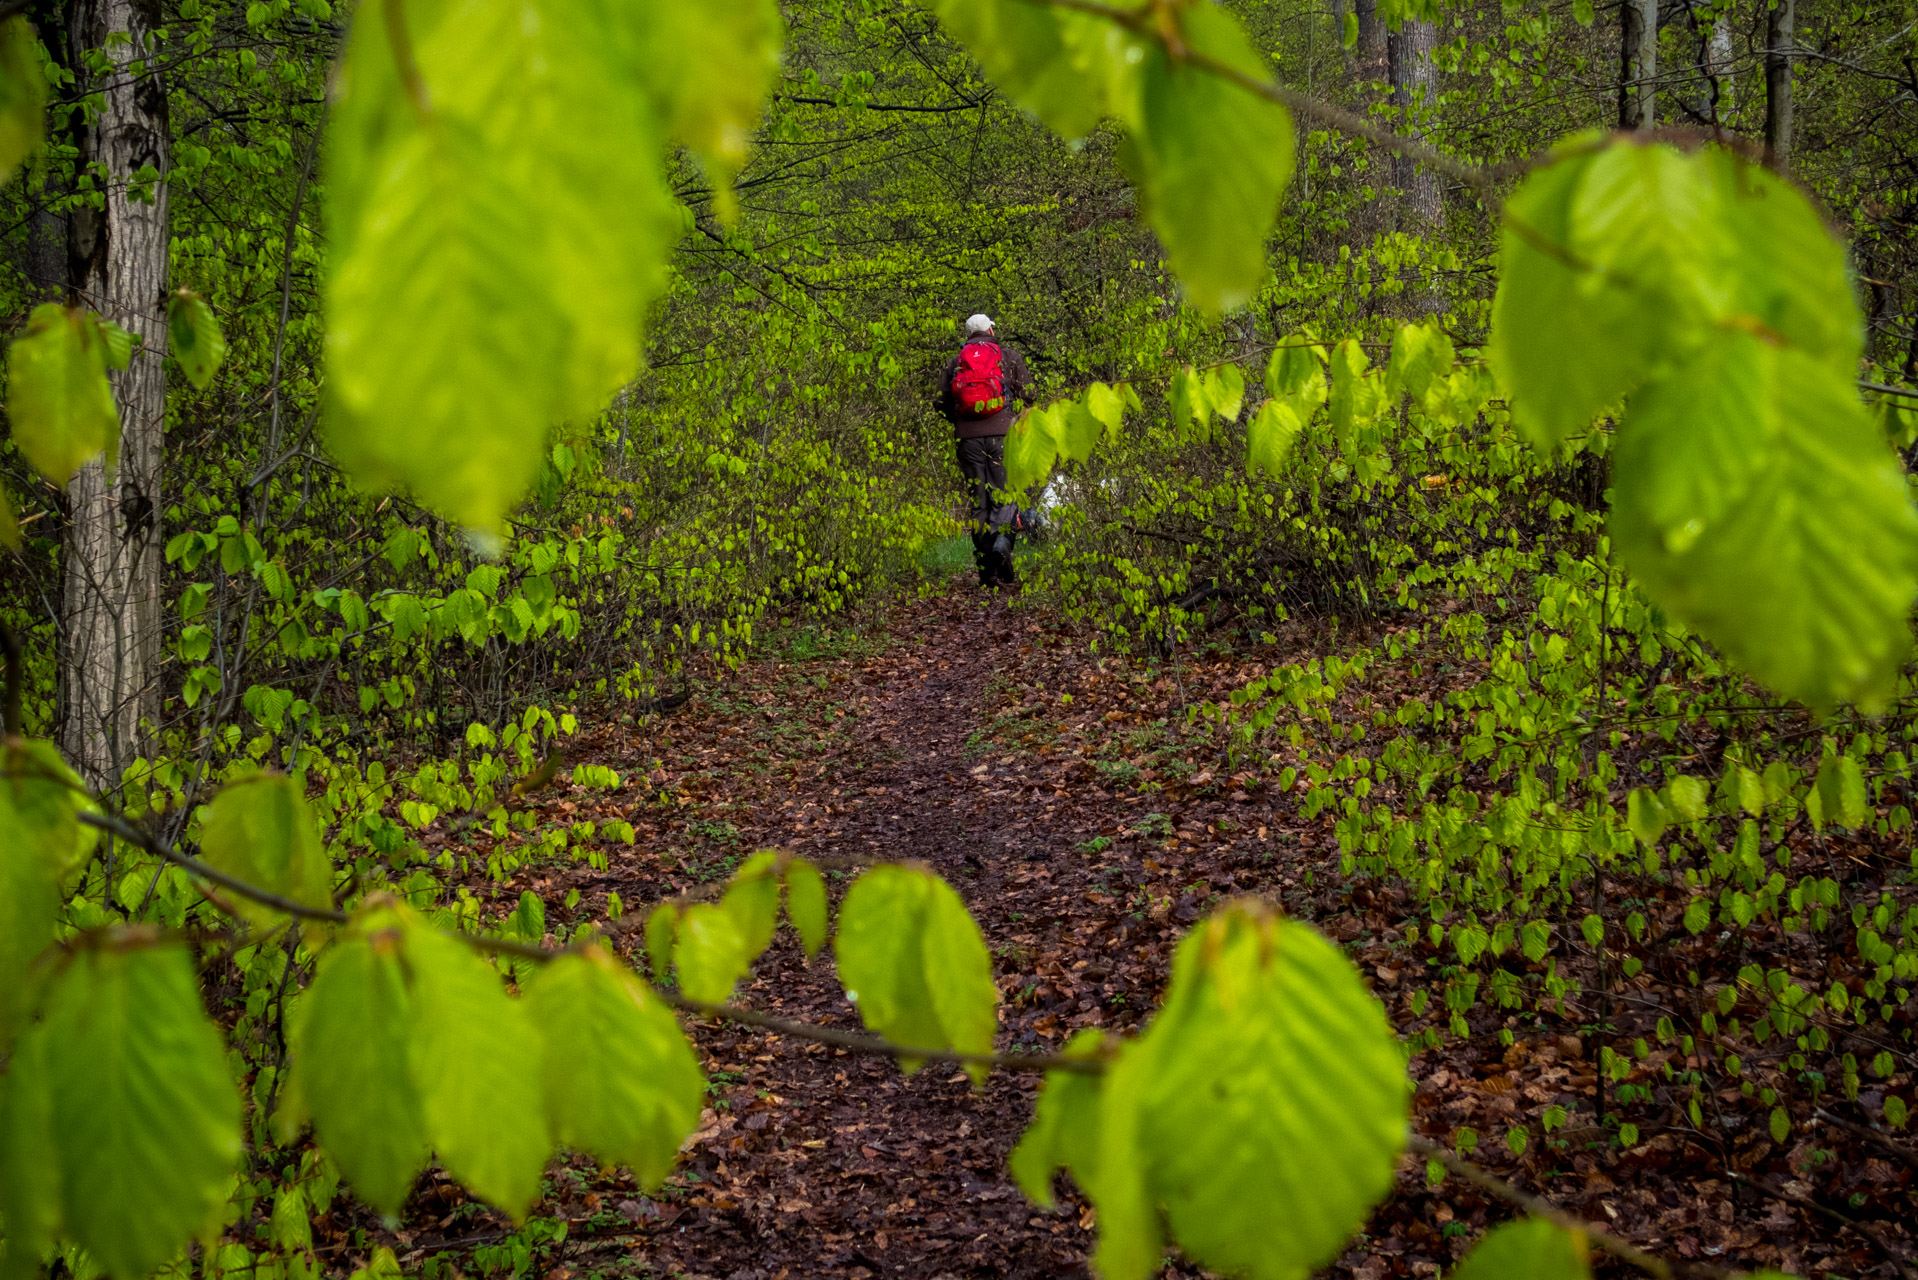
pixel 1778 41
pixel 1638 64
pixel 1369 59
pixel 117 265
pixel 1715 64
pixel 1415 93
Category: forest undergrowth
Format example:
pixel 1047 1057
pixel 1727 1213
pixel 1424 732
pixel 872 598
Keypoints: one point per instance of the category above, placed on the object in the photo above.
pixel 1089 810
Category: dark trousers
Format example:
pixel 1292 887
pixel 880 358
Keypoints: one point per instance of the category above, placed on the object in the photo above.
pixel 983 462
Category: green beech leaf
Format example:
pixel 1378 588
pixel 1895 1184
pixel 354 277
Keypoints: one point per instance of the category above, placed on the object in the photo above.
pixel 1065 1128
pixel 1032 447
pixel 194 336
pixel 57 393
pixel 661 928
pixel 1295 362
pixel 260 830
pixel 1190 404
pixel 472 261
pixel 1357 394
pixel 620 1079
pixel 1107 405
pixel 1806 576
pixel 1646 815
pixel 958 971
pixel 806 904
pixel 1840 792
pixel 9 523
pixel 753 900
pixel 1069 69
pixel 1566 346
pixel 476 1062
pixel 710 953
pixel 29 1160
pixel 23 94
pixel 1270 437
pixel 914 962
pixel 1421 355
pixel 708 66
pixel 1529 1249
pixel 1688 798
pixel 1210 161
pixel 41 800
pixel 1786 270
pixel 1272 1104
pixel 353 1066
pixel 1079 431
pixel 1225 391
pixel 39 833
pixel 141 1108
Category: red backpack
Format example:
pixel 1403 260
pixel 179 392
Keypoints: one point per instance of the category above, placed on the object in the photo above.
pixel 979 383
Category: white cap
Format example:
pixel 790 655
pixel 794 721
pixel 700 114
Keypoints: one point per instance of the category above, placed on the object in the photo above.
pixel 978 322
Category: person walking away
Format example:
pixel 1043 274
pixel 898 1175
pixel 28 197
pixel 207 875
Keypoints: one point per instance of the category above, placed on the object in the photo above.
pixel 975 395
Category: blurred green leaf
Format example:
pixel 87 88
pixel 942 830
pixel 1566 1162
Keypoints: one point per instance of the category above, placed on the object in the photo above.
pixel 753 899
pixel 142 1110
pixel 710 953
pixel 1529 1249
pixel 620 1079
pixel 58 397
pixel 352 1060
pixel 260 830
pixel 23 94
pixel 476 1063
pixel 1210 161
pixel 806 904
pixel 914 963
pixel 193 334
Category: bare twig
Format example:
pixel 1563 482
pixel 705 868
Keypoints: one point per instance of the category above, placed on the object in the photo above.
pixel 853 1042
pixel 1895 1150
pixel 1811 1205
pixel 118 826
pixel 14 724
pixel 1487 1181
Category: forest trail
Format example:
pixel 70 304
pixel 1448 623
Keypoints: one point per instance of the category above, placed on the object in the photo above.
pixel 938 734
pixel 1048 786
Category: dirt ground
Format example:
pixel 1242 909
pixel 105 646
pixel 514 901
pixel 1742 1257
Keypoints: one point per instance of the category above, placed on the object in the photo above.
pixel 974 735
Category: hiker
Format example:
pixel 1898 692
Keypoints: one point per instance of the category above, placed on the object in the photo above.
pixel 975 394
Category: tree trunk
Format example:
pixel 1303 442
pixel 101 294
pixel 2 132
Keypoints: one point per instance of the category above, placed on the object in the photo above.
pixel 1717 103
pixel 1637 64
pixel 117 265
pixel 1414 92
pixel 1778 50
pixel 1369 58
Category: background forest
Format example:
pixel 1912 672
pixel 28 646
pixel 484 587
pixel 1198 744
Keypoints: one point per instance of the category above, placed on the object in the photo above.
pixel 1334 576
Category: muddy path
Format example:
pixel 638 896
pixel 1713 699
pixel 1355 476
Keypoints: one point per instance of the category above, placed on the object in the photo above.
pixel 1087 826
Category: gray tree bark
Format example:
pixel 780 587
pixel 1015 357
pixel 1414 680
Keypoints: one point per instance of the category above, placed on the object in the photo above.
pixel 117 265
pixel 1370 58
pixel 1638 64
pixel 1414 92
pixel 1719 101
pixel 1778 49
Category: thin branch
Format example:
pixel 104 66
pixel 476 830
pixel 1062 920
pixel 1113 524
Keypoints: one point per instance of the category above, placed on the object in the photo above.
pixel 876 106
pixel 1877 1139
pixel 133 835
pixel 14 724
pixel 1487 1181
pixel 852 1042
pixel 1807 1203
pixel 1483 182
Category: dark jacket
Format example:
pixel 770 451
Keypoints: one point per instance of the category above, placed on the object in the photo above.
pixel 1018 387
